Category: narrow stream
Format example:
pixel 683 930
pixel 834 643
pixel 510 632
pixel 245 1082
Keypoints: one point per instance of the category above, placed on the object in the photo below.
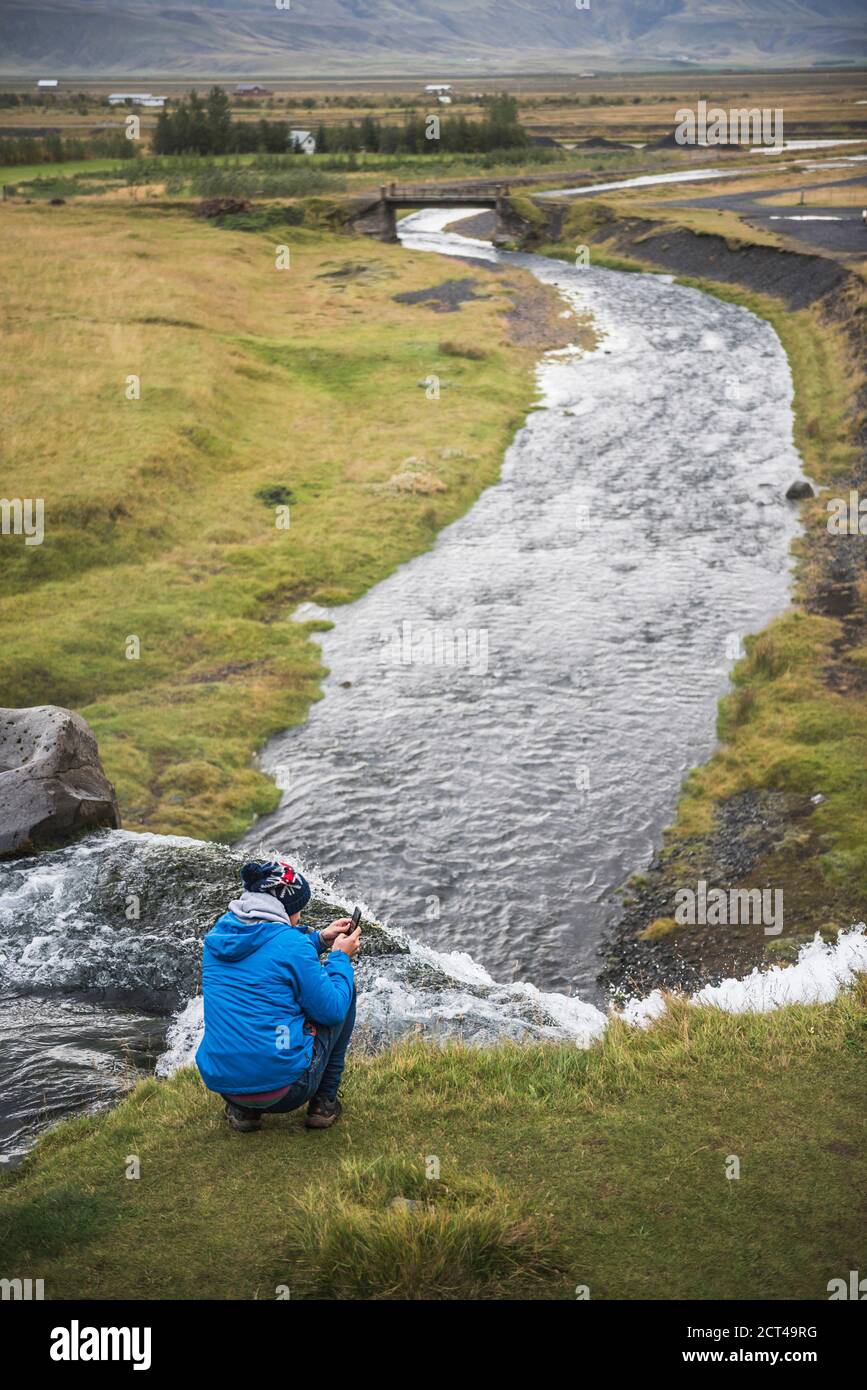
pixel 490 793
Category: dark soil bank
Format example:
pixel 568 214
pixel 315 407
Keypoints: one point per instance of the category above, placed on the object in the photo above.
pixel 797 279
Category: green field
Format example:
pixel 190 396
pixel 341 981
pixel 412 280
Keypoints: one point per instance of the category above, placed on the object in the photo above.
pixel 23 173
pixel 246 174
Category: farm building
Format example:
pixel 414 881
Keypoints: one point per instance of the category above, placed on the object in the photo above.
pixel 303 140
pixel 135 98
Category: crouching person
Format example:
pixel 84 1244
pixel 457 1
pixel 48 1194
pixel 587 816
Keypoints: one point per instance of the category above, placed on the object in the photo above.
pixel 277 1021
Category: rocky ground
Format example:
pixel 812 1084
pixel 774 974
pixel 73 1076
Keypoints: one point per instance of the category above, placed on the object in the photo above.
pixel 752 829
pixel 538 317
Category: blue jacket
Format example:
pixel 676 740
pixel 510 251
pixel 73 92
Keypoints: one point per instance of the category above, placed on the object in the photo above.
pixel 263 984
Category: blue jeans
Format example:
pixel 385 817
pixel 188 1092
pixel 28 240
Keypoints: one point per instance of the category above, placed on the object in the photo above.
pixel 322 1077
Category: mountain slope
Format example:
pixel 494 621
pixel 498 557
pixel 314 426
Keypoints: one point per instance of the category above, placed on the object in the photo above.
pixel 343 36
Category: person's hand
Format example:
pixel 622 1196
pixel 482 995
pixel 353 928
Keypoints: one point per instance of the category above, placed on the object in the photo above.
pixel 349 944
pixel 334 929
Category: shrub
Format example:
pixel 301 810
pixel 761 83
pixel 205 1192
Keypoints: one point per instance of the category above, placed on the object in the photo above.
pixel 450 349
pixel 275 495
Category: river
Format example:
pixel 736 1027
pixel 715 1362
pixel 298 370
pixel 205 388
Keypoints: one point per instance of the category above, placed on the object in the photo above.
pixel 638 531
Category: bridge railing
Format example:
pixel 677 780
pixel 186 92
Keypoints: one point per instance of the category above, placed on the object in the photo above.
pixel 419 193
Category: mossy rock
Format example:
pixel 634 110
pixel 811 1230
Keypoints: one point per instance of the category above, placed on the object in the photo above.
pixel 526 209
pixel 786 948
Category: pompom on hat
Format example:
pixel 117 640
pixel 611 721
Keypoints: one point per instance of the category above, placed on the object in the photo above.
pixel 277 877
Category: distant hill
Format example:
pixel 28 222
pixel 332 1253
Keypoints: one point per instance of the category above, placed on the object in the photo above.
pixel 256 38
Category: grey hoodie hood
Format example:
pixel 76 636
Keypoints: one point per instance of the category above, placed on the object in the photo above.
pixel 251 920
pixel 259 907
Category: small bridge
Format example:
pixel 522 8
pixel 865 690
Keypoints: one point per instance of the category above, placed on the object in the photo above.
pixel 376 217
pixel 425 195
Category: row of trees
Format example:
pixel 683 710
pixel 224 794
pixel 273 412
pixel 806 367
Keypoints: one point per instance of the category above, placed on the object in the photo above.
pixel 433 133
pixel 44 97
pixel 57 149
pixel 197 126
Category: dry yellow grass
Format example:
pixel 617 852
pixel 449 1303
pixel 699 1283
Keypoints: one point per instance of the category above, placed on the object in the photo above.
pixel 721 222
pixel 842 196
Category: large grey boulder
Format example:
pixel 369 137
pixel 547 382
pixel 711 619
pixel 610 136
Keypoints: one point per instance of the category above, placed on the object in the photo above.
pixel 798 490
pixel 52 786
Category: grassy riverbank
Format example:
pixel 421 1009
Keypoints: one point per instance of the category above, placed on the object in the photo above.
pixel 158 603
pixel 558 1168
pixel 794 726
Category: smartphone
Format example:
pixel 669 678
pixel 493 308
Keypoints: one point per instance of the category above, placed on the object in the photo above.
pixel 356 918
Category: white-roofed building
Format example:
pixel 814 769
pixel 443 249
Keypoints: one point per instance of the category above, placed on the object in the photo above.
pixel 303 140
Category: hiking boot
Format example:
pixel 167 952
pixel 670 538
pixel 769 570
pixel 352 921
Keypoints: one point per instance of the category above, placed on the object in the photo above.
pixel 322 1113
pixel 243 1120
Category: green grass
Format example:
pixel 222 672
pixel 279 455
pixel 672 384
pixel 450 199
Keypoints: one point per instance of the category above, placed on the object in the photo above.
pixel 527 209
pixel 381 1228
pixel 557 1168
pixel 23 173
pixel 781 727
